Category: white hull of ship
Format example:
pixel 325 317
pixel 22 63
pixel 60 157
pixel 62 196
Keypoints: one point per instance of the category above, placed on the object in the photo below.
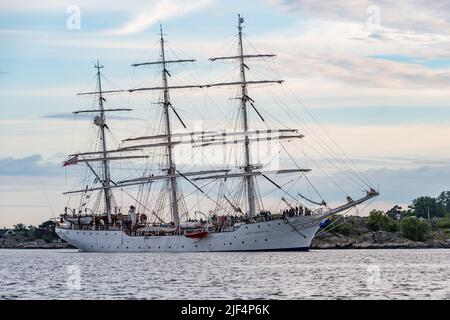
pixel 275 235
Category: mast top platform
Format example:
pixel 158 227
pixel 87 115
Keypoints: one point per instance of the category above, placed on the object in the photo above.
pixel 98 66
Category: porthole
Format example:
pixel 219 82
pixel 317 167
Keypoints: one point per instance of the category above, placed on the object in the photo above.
pixel 169 247
pixel 182 246
pixel 106 233
pixel 242 242
pixel 246 227
pixel 159 247
pixel 196 246
pixel 256 240
pixel 266 240
pixel 230 243
pixel 259 226
pixel 127 247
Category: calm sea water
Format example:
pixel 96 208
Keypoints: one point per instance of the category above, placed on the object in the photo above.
pixel 329 274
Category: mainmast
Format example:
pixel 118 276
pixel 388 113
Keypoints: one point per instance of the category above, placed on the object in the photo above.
pixel 101 124
pixel 171 170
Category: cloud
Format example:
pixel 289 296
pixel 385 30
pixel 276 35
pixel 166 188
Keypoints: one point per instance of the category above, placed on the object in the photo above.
pixel 31 166
pixel 62 5
pixel 49 91
pixel 162 10
pixel 396 186
pixel 340 55
pixel 403 185
pixel 420 16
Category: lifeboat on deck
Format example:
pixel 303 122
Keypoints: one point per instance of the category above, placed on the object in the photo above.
pixel 196 234
pixel 78 219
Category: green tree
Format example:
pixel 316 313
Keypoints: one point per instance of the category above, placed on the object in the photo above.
pixel 443 223
pixel 414 229
pixel 345 229
pixel 378 220
pixel 20 228
pixel 30 231
pixel 427 206
pixel 407 213
pixel 46 231
pixel 444 200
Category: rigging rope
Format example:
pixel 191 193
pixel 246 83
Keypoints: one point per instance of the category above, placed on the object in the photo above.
pixel 323 203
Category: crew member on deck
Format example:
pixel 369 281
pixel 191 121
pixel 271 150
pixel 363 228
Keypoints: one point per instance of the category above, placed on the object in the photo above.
pixel 132 213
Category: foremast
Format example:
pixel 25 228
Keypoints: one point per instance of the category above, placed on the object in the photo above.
pixel 102 155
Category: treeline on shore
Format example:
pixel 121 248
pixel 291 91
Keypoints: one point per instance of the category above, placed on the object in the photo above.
pixel 426 220
pixel 42 236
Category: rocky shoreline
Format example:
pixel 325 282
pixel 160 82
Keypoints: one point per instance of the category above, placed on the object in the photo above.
pixel 37 244
pixel 375 240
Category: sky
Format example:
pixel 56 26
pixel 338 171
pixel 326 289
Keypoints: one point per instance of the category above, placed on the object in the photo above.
pixel 374 74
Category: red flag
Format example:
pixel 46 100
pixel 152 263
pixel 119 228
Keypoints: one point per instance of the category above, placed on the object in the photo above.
pixel 71 161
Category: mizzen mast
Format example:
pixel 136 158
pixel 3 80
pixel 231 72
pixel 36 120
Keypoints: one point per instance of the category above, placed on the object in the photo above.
pixel 248 166
pixel 171 170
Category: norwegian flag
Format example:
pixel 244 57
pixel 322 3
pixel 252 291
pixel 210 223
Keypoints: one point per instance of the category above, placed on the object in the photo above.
pixel 71 161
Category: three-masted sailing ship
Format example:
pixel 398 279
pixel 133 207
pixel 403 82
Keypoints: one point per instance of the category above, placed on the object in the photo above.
pixel 234 224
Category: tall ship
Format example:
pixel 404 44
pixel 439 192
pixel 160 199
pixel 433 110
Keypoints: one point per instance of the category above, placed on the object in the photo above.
pixel 158 216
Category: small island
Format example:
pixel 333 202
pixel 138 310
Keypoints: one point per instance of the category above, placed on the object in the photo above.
pixel 424 224
pixel 32 237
